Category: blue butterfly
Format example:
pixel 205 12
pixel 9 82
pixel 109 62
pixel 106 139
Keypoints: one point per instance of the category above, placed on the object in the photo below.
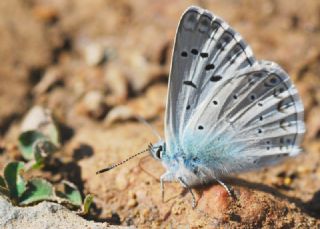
pixel 226 112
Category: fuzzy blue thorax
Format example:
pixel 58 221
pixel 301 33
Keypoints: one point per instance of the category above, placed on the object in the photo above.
pixel 200 161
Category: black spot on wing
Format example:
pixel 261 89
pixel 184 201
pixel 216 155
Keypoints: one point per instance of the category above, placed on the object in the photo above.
pixel 209 67
pixel 204 55
pixel 194 51
pixel 215 78
pixel 184 54
pixel 190 83
pixel 253 97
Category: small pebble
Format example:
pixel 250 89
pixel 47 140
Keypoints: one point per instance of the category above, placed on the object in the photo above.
pixel 94 54
pixel 132 195
pixel 118 113
pixel 140 66
pixel 93 99
pixel 215 201
pixel 145 212
pixel 122 180
pixel 287 181
pixel 50 78
pixel 117 83
pixel 178 209
pixel 132 203
pixel 36 117
pixel 93 104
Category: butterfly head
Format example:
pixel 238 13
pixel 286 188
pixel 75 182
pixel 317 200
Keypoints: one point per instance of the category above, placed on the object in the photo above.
pixel 157 150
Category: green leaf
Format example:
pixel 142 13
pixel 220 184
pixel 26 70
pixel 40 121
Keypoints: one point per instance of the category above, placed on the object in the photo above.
pixel 15 182
pixel 71 193
pixel 40 119
pixel 26 143
pixel 42 149
pixel 86 204
pixel 53 134
pixel 36 165
pixel 2 182
pixel 37 190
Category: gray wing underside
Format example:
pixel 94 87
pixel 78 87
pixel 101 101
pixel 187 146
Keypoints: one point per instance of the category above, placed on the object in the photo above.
pixel 207 51
pixel 254 119
pixel 226 110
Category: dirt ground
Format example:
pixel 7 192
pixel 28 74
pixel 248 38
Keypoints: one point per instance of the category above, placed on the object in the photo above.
pixel 96 64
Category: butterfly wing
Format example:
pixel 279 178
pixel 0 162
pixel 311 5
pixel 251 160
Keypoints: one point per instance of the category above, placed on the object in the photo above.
pixel 254 119
pixel 207 51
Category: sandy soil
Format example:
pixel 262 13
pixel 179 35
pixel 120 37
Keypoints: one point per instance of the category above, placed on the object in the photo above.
pixel 96 64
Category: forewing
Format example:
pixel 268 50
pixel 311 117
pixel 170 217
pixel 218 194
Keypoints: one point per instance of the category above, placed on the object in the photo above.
pixel 207 52
pixel 252 120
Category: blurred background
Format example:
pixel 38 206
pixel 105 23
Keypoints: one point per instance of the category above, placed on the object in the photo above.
pixel 97 64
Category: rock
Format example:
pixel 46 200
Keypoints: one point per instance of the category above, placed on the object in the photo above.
pixel 148 106
pixel 215 201
pixel 93 104
pixel 50 78
pixel 119 113
pixel 94 54
pixel 36 118
pixel 117 84
pixel 132 201
pixel 44 215
pixel 140 71
pixel 121 180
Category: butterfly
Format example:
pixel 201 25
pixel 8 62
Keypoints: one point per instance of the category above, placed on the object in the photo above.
pixel 226 111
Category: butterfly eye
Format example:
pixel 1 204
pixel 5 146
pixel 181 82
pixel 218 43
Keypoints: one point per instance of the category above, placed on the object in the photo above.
pixel 158 152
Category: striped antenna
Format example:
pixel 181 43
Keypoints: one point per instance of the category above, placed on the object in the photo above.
pixel 124 161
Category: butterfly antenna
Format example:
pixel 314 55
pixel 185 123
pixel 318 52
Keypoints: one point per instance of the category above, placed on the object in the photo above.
pixel 154 131
pixel 124 161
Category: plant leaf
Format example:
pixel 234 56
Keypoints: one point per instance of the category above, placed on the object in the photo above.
pixel 53 134
pixel 15 181
pixel 71 193
pixel 42 148
pixel 40 119
pixel 86 204
pixel 37 190
pixel 26 143
pixel 2 182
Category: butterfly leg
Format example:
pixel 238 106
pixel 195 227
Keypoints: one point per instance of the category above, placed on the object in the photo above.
pixel 166 177
pixel 185 185
pixel 229 190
